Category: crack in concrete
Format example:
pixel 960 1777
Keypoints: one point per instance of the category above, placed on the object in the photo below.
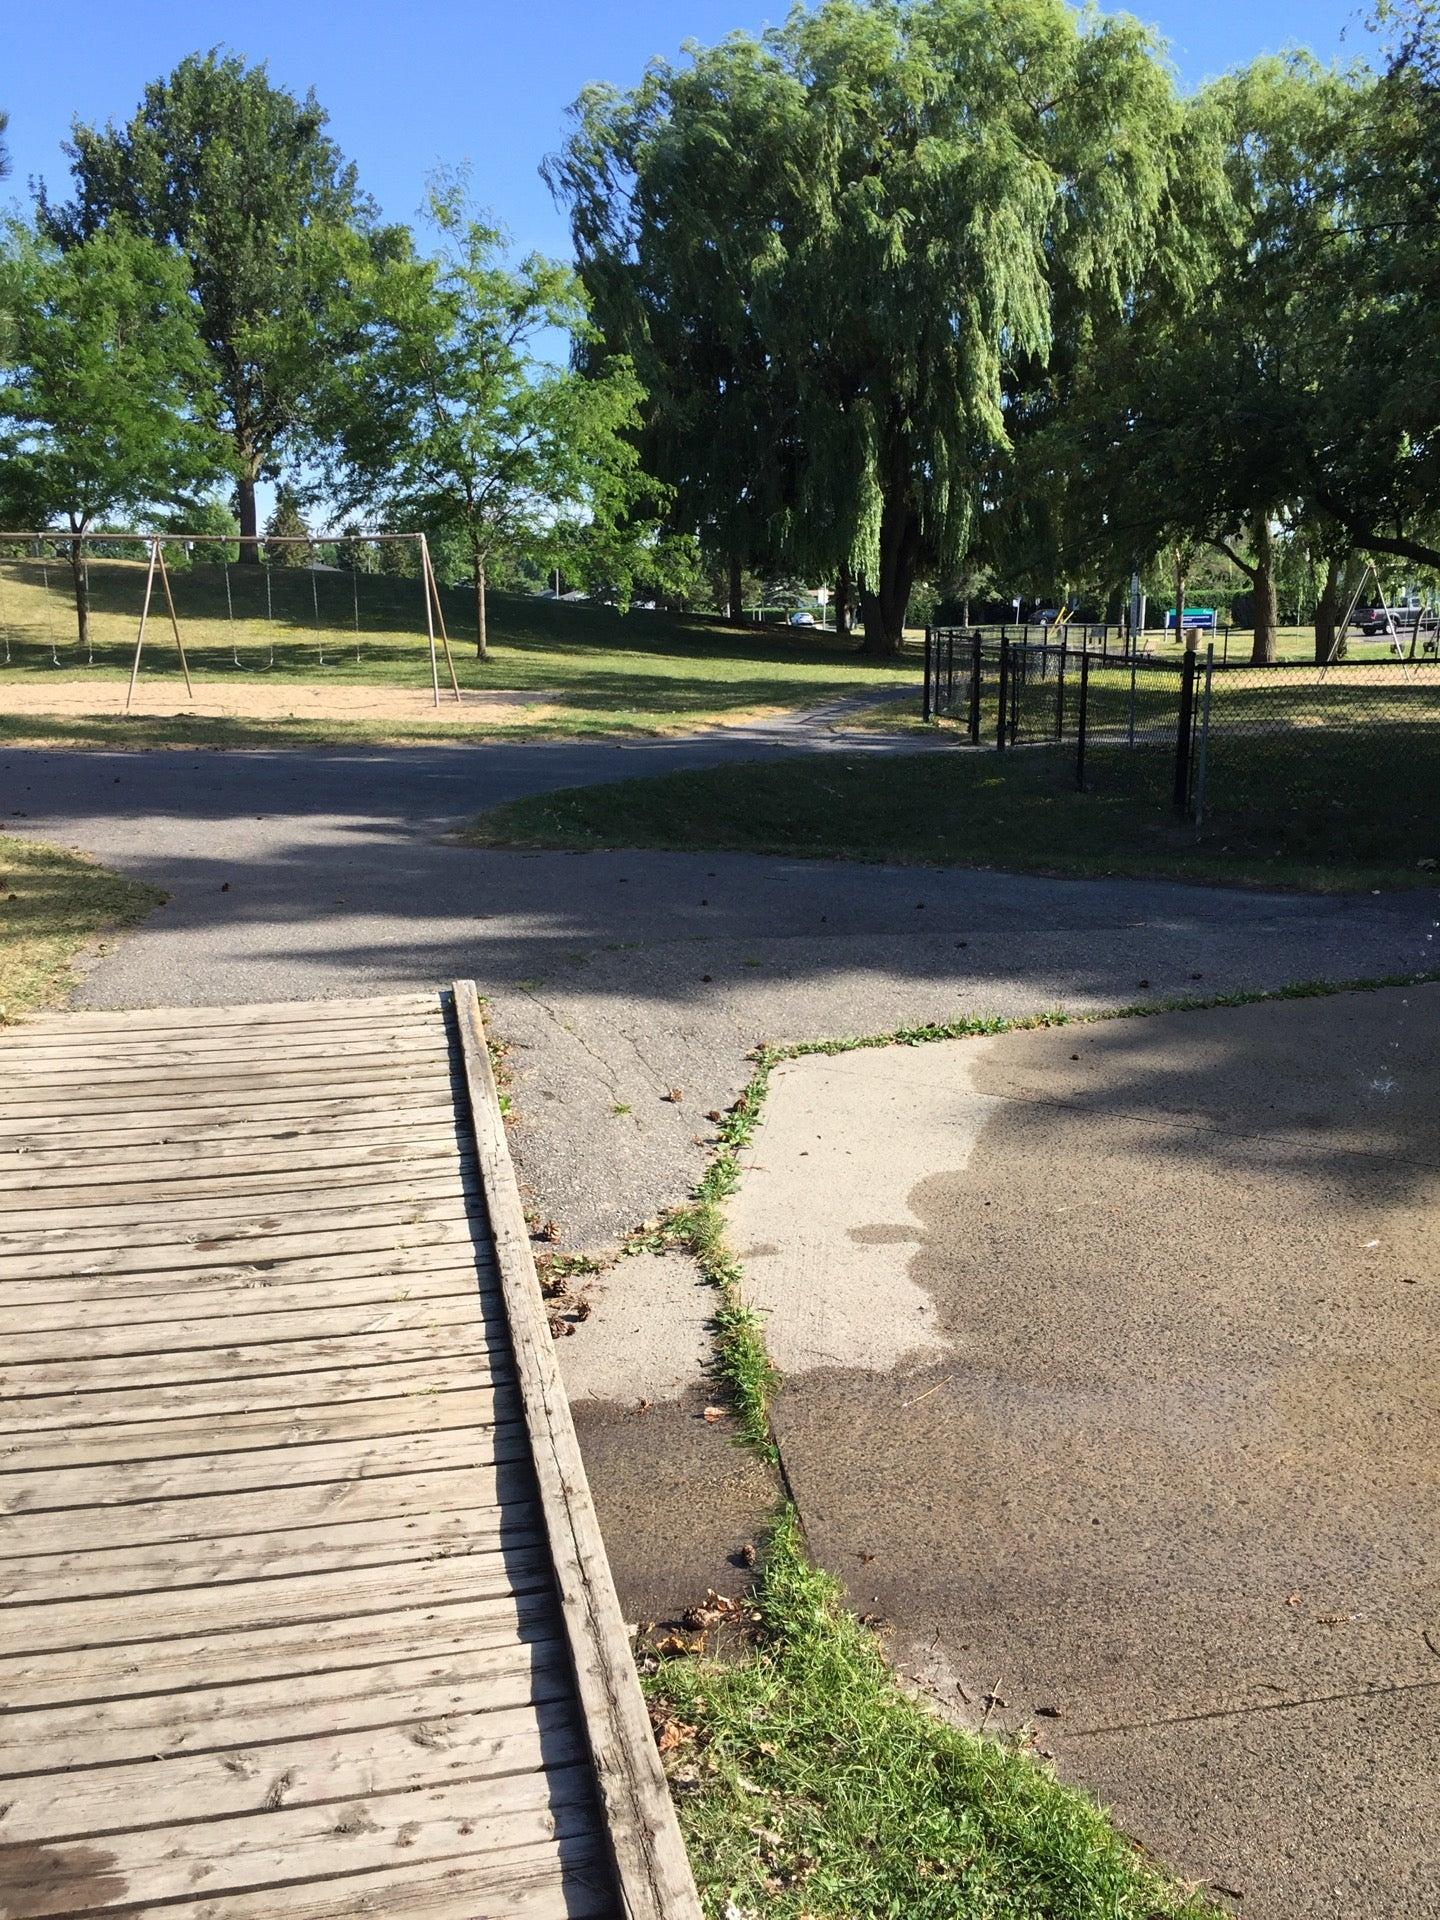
pixel 1259 1706
pixel 579 1038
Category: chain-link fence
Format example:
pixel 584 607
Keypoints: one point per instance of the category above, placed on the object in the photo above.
pixel 1225 748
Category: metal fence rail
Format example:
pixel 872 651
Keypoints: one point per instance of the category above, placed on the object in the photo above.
pixel 1233 739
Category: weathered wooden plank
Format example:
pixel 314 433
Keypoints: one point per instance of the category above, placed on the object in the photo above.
pixel 480 1483
pixel 566 1878
pixel 66 1114
pixel 278 1090
pixel 293 1151
pixel 174 1218
pixel 314 1463
pixel 398 1758
pixel 251 1605
pixel 252 1181
pixel 92 1571
pixel 292 1122
pixel 278 1654
pixel 248 1329
pixel 653 1870
pixel 141 1066
pixel 146 1726
pixel 360 1421
pixel 428 1223
pixel 437 1252
pixel 278 1847
pixel 361 1009
pixel 234 1364
pixel 33 1309
pixel 326 1386
pixel 101 1053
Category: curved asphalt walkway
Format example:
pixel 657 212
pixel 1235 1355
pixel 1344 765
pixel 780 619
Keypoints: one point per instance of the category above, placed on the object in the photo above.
pixel 630 987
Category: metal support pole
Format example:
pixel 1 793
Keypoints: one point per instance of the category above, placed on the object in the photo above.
pixel 1131 738
pixel 1184 731
pixel 1082 720
pixel 975 671
pixel 1060 689
pixel 927 707
pixel 1004 690
pixel 1203 758
pixel 144 616
pixel 950 670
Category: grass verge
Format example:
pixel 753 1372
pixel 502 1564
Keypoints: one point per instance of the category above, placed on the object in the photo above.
pixel 51 905
pixel 809 1785
pixel 1019 811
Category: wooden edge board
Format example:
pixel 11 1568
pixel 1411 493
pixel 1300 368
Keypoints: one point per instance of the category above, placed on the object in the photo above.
pixel 652 1869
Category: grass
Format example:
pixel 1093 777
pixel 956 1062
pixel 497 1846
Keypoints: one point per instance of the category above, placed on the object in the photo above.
pixel 52 904
pixel 589 667
pixel 1021 811
pixel 810 1787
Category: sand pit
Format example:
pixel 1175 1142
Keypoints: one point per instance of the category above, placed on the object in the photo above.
pixel 268 700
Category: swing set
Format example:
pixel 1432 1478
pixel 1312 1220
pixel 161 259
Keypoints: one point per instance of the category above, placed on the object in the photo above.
pixel 155 544
pixel 1393 623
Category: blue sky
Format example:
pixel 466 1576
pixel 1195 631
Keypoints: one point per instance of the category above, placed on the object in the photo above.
pixel 409 86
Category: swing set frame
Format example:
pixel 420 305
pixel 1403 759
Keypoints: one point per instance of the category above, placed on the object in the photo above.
pixel 157 542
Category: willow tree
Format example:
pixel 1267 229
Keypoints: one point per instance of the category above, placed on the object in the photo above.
pixel 824 249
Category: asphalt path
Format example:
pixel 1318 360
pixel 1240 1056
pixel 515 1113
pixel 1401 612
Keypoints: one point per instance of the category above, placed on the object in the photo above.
pixel 630 986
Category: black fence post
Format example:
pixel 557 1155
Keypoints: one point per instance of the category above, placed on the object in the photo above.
pixel 1184 728
pixel 1004 689
pixel 975 670
pixel 1060 688
pixel 950 670
pixel 1081 720
pixel 928 707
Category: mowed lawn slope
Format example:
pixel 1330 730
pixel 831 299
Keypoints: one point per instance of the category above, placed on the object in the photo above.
pixel 1020 811
pixel 565 667
pixel 52 904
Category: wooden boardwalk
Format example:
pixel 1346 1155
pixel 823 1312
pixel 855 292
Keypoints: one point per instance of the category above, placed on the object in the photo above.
pixel 303 1608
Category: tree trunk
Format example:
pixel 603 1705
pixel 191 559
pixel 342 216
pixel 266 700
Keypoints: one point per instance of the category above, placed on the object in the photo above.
pixel 844 586
pixel 1262 649
pixel 1334 596
pixel 735 592
pixel 246 511
pixel 482 640
pixel 884 601
pixel 82 594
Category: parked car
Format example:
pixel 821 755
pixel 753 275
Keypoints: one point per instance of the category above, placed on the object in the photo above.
pixel 802 620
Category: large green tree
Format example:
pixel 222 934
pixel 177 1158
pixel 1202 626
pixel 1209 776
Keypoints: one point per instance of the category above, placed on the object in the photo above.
pixel 241 176
pixel 103 387
pixel 828 250
pixel 450 419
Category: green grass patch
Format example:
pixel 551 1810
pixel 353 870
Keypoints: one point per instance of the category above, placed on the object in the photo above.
pixel 810 1787
pixel 1353 819
pixel 52 904
pixel 593 667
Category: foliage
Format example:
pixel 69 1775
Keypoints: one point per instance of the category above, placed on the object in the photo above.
pixel 451 420
pixel 829 250
pixel 241 177
pixel 103 389
pixel 286 523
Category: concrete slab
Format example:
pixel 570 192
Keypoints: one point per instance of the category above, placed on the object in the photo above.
pixel 1168 1458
